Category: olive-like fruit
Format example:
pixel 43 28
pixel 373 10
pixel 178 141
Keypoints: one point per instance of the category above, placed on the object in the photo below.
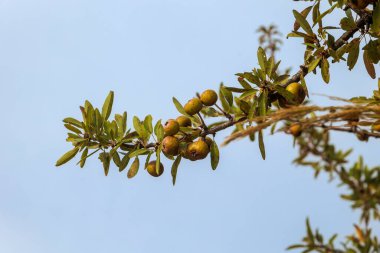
pixel 197 150
pixel 295 130
pixel 298 92
pixel 193 106
pixel 376 128
pixel 171 127
pixel 170 145
pixel 183 121
pixel 209 97
pixel 151 168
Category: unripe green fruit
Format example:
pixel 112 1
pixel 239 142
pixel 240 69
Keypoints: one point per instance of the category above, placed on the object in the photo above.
pixel 151 168
pixel 170 145
pixel 197 150
pixel 209 97
pixel 295 130
pixel 193 106
pixel 183 121
pixel 299 95
pixel 171 127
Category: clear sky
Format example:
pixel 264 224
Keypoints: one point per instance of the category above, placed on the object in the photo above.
pixel 54 54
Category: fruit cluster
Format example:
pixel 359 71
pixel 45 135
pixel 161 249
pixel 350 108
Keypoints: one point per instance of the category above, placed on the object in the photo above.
pixel 177 139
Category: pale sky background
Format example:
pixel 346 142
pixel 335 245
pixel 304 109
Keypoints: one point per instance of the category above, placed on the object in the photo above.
pixel 55 54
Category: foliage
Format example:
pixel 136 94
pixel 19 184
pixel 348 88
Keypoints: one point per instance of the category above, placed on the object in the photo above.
pixel 265 97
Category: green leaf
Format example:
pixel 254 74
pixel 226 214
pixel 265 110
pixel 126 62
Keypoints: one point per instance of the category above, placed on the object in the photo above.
pixel 106 160
pixel 67 156
pixel 313 64
pixel 262 58
pixel 310 234
pixel 285 93
pixel 179 107
pixel 147 159
pixel 261 144
pixel 225 104
pixel 227 94
pixel 73 128
pixel 376 20
pixel 325 70
pixel 369 65
pixel 303 22
pixel 107 106
pixel 116 159
pixel 263 103
pixel 159 131
pixel 303 84
pixel 214 155
pixel 244 83
pixel 320 17
pixel 353 53
pixel 295 246
pixel 134 168
pixel 304 13
pixel 270 66
pixel 124 162
pixel 83 157
pixel 175 168
pixel 158 161
pixel 148 123
pixel 73 121
pixel 138 152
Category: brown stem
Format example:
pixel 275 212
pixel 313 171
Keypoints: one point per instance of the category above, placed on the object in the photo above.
pixel 360 23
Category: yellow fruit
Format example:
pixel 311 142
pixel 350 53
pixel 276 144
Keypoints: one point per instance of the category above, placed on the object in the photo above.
pixel 170 145
pixel 295 130
pixel 209 97
pixel 376 128
pixel 193 106
pixel 151 168
pixel 299 95
pixel 183 121
pixel 171 127
pixel 197 150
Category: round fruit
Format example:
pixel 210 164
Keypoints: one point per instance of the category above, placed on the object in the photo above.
pixel 151 168
pixel 170 145
pixel 193 106
pixel 376 128
pixel 171 127
pixel 299 95
pixel 197 150
pixel 183 121
pixel 295 130
pixel 209 97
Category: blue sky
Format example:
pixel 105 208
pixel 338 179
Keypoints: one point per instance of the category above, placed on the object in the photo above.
pixel 55 54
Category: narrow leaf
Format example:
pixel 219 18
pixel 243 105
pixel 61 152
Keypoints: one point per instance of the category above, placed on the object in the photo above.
pixel 107 106
pixel 261 144
pixel 67 156
pixel 134 168
pixel 175 168
pixel 214 155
